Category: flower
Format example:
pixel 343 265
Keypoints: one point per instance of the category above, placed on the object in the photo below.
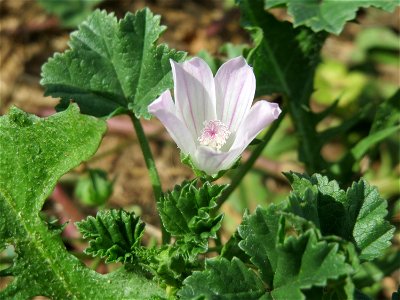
pixel 212 120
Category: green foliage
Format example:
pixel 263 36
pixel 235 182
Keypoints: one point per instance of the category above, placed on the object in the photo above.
pixel 94 189
pixel 328 15
pixel 284 61
pixel 388 114
pixel 112 66
pixel 223 279
pixel 46 149
pixel 114 234
pixel 305 248
pixel 287 264
pixel 187 213
pixel 69 12
pixel 357 215
pixel 170 264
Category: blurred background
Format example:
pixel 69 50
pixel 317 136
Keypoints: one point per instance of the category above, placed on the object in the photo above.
pixel 360 66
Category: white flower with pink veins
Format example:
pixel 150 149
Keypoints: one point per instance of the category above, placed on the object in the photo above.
pixel 212 120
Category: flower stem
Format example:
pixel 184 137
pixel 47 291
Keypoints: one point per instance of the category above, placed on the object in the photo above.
pixel 243 169
pixel 151 166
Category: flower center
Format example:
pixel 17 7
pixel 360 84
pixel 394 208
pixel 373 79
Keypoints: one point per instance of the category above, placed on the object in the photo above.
pixel 214 134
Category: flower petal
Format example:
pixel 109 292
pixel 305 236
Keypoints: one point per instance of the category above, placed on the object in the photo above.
pixel 164 109
pixel 261 114
pixel 235 86
pixel 194 92
pixel 211 161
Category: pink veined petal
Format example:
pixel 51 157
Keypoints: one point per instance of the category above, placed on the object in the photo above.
pixel 194 92
pixel 260 115
pixel 164 109
pixel 235 86
pixel 211 161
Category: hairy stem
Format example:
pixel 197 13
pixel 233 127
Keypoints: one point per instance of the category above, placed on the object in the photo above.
pixel 151 166
pixel 243 169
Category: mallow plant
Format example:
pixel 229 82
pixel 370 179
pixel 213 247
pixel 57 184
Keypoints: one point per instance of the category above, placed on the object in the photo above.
pixel 321 242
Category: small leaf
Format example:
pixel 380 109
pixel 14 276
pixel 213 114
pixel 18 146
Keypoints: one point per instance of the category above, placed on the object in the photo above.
pixel 357 215
pixel 223 279
pixel 330 16
pixel 186 212
pixel 114 234
pixel 94 189
pixel 112 65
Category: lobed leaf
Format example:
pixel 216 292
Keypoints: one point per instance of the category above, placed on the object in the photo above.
pixel 357 215
pixel 187 213
pixel 34 154
pixel 328 15
pixel 287 263
pixel 114 234
pixel 112 66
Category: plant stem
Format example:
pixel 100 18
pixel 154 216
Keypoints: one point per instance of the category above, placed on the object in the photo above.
pixel 151 166
pixel 243 169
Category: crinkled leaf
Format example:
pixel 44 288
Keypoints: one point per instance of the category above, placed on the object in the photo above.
pixel 284 60
pixel 328 15
pixel 34 154
pixel 223 279
pixel 187 212
pixel 357 215
pixel 112 65
pixel 69 12
pixel 171 264
pixel 289 264
pixel 114 234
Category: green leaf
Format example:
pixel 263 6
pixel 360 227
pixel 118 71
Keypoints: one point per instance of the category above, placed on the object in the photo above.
pixel 289 264
pixel 357 215
pixel 223 279
pixel 171 264
pixel 112 66
pixel 186 213
pixel 366 217
pixel 284 61
pixel 358 151
pixel 34 154
pixel 261 233
pixel 114 234
pixel 69 12
pixel 328 15
pixel 94 189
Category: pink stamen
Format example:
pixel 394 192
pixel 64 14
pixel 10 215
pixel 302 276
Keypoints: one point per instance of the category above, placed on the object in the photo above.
pixel 214 134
